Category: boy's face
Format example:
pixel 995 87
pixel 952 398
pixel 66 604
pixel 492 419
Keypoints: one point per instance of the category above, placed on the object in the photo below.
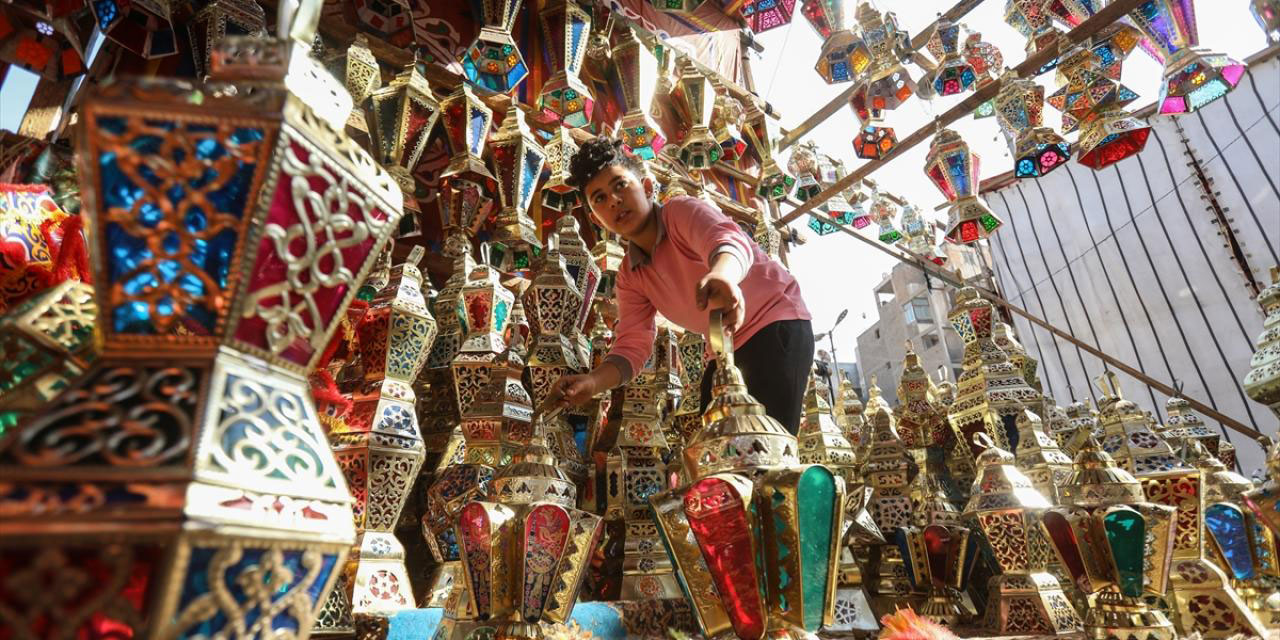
pixel 619 200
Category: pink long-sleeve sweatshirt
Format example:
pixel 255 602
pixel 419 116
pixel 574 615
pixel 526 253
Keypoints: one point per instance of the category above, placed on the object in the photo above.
pixel 690 233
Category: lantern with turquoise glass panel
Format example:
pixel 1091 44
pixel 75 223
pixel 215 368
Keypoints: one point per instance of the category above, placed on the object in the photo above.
pixel 955 74
pixel 1036 149
pixel 763 15
pixel 1093 102
pixel 564 97
pixel 517 162
pixel 804 165
pixel 638 76
pixel 493 61
pixel 484 309
pixel 844 55
pixel 953 168
pixel 987 61
pixel 231 234
pixel 1117 546
pixel 1193 77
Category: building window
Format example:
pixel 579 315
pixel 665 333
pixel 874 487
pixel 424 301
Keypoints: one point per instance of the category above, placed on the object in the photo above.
pixel 877 334
pixel 917 310
pixel 930 340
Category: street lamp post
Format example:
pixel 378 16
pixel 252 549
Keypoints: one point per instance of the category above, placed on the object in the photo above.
pixel 829 335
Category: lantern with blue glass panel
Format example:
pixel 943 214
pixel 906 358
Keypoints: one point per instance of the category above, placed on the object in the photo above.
pixel 517 160
pixel 1116 546
pixel 564 97
pixel 1093 102
pixel 638 75
pixel 1193 77
pixel 232 235
pixel 695 98
pixel 763 15
pixel 888 84
pixel 1037 149
pixel 466 120
pixel 955 74
pixel 844 55
pixel 987 61
pixel 493 60
pixel 144 27
pixel 1033 21
pixel 953 168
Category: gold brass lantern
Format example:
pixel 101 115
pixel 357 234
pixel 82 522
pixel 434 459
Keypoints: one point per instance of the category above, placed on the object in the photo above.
pixel 1035 23
pixel 938 551
pixel 953 169
pixel 1023 599
pixel 638 75
pixel 557 195
pixel 47 342
pixel 1093 102
pixel 695 97
pixel 1262 383
pixel 216 21
pixel 144 27
pixel 517 160
pixel 886 468
pixel 819 437
pixel 1039 457
pixel 381 449
pixel 553 302
pixel 775 184
pixel 493 60
pixel 955 74
pixel 888 84
pixel 1129 433
pixel 466 120
pixel 1184 427
pixel 564 97
pixel 1193 77
pixel 1116 546
pixel 401 117
pixel 201 496
pixel 1037 150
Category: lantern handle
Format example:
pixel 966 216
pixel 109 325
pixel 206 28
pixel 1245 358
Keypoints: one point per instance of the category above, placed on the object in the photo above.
pixel 983 440
pixel 720 338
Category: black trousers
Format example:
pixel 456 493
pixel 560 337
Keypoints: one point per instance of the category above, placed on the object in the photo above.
pixel 775 364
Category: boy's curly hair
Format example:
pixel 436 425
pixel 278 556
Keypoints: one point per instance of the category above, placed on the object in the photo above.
pixel 596 154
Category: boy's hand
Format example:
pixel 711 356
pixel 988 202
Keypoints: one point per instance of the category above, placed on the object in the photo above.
pixel 572 390
pixel 720 291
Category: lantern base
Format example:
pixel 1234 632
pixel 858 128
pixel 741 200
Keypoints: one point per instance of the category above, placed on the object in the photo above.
pixel 381 579
pixel 1029 603
pixel 890 586
pixel 852 611
pixel 1205 603
pixel 943 606
pixel 1255 594
pixel 334 619
pixel 700 150
pixel 1116 617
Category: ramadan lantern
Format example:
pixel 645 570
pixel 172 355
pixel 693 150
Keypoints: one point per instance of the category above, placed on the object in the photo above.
pixel 564 97
pixel 1267 13
pixel 886 468
pixel 955 74
pixel 763 15
pixel 557 195
pixel 493 60
pixel 48 343
pixel 775 184
pixel 401 117
pixel 939 551
pixel 1035 23
pixel 1023 598
pixel 144 27
pixel 221 18
pixel 844 55
pixel 517 163
pixel 887 84
pixel 1262 383
pixel 229 498
pixel 638 75
pixel 1036 149
pixel 1093 103
pixel 953 168
pixel 1193 77
pixel 695 98
pixel 874 143
pixel 883 209
pixel 1116 545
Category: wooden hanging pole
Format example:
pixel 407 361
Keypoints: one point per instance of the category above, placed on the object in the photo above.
pixel 915 260
pixel 1087 29
pixel 959 10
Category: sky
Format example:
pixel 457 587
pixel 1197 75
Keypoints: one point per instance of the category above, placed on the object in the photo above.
pixel 837 272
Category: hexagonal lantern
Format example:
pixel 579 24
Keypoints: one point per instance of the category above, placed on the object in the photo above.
pixel 564 97
pixel 401 117
pixel 219 19
pixel 466 121
pixel 678 7
pixel 844 55
pixel 638 75
pixel 888 83
pixel 775 184
pixel 557 195
pixel 517 160
pixel 1033 21
pixel 955 74
pixel 1267 13
pixel 493 60
pixel 1094 103
pixel 1193 77
pixel 1037 149
pixel 954 170
pixel 763 15
pixel 201 497
pixel 695 97
pixel 144 27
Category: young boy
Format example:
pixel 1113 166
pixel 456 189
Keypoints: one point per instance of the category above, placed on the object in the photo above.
pixel 686 259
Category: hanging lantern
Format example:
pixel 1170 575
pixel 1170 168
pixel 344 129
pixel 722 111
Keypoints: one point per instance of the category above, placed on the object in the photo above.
pixel 493 60
pixel 1030 18
pixel 466 121
pixel 888 84
pixel 380 448
pixel 1185 427
pixel 775 184
pixel 1023 598
pixel 677 7
pixel 954 170
pixel 883 211
pixel 48 344
pixel 219 19
pixel 1094 104
pixel 726 124
pixel 489 417
pixel 1116 546
pixel 1267 13
pixel 48 48
pixel 236 503
pixel 141 26
pixel 564 97
pixel 517 160
pixel 557 195
pixel 1036 149
pixel 955 73
pixel 401 117
pixel 696 98
pixel 638 75
pixel 1193 77
pixel 804 165
pixel 874 143
pixel 844 55
pixel 918 234
pixel 987 61
pixel 763 15
pixel 390 20
pixel 1262 383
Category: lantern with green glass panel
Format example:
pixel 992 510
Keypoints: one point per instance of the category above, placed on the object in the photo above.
pixel 953 169
pixel 1193 77
pixel 564 97
pixel 638 77
pixel 493 60
pixel 517 161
